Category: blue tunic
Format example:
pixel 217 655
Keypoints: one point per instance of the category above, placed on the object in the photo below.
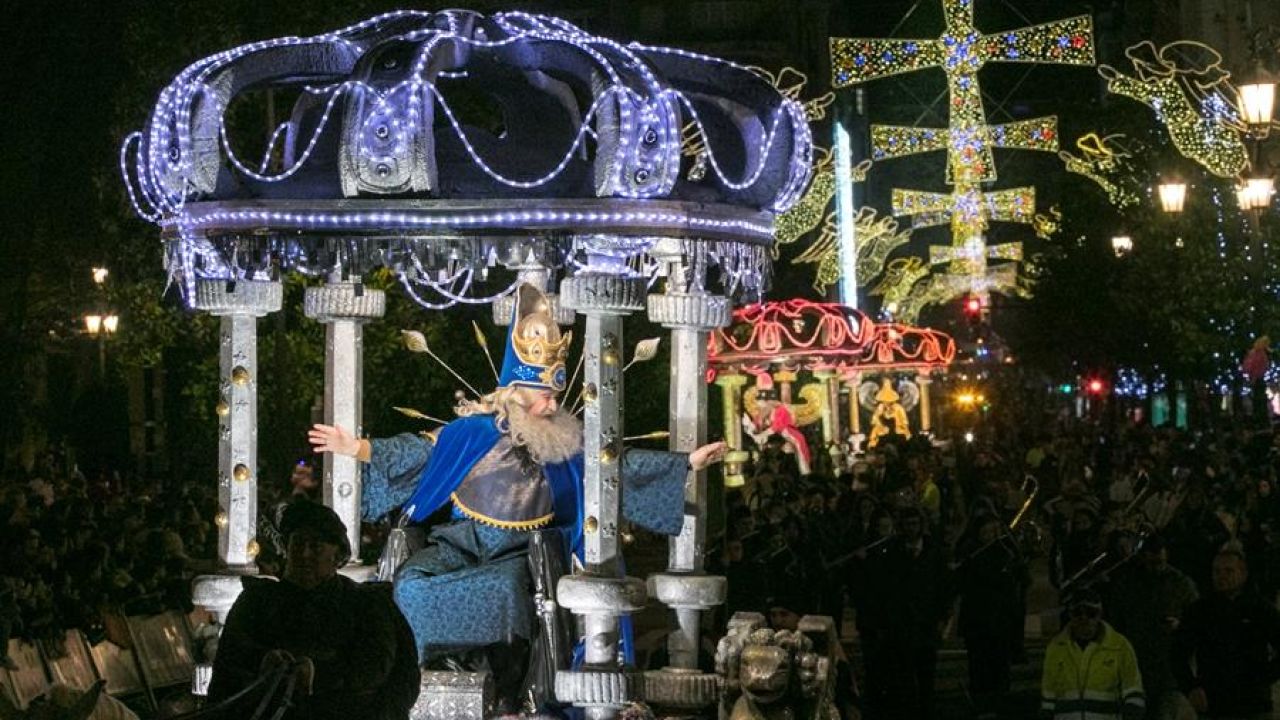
pixel 470 586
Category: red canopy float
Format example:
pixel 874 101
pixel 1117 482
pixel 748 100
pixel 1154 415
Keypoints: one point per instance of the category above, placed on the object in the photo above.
pixel 836 344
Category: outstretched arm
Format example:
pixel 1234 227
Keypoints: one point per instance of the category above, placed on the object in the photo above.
pixel 653 485
pixel 391 465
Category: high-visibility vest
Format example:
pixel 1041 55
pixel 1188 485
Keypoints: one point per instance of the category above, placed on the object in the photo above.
pixel 1090 683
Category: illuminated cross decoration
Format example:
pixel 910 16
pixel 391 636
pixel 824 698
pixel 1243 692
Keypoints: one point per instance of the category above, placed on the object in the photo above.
pixel 961 52
pixel 968 209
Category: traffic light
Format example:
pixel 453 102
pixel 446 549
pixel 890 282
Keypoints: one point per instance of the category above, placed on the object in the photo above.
pixel 1096 386
pixel 973 308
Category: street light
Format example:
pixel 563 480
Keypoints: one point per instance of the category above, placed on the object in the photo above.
pixel 1255 192
pixel 100 275
pixel 100 327
pixel 1257 102
pixel 1122 245
pixel 1173 195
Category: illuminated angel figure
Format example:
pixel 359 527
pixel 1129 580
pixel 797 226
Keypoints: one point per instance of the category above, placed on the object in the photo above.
pixel 1192 97
pixel 1103 159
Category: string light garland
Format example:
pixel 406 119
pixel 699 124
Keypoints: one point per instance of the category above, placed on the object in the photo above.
pixel 1194 103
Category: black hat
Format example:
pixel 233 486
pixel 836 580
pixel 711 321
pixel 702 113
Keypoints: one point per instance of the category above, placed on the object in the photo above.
pixel 1084 597
pixel 308 515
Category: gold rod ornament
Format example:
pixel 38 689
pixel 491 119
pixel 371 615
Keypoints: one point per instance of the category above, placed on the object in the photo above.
pixel 483 342
pixel 581 357
pixel 417 342
pixel 417 414
pixel 655 435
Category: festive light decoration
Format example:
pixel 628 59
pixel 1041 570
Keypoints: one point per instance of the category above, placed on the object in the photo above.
pixel 1046 226
pixel 877 237
pixel 359 156
pixel 1103 160
pixel 961 52
pixel 967 209
pixel 801 333
pixel 909 287
pixel 1186 86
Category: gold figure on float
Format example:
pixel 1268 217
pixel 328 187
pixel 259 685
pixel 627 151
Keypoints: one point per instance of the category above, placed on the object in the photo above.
pixel 888 409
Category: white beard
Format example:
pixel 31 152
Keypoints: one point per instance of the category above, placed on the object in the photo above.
pixel 551 439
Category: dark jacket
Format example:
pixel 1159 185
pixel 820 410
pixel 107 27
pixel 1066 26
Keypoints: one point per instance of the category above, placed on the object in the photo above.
pixel 366 665
pixel 1236 646
pixel 905 597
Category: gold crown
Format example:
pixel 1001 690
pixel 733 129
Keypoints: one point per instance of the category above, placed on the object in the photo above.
pixel 538 341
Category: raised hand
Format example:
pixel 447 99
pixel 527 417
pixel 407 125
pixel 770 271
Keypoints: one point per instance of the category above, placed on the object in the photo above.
pixel 332 439
pixel 707 455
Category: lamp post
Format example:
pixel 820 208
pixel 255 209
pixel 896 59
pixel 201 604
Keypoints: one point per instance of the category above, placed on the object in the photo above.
pixel 1121 245
pixel 101 327
pixel 102 324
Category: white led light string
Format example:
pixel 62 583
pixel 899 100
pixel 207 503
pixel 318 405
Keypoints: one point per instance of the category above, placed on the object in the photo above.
pixel 161 188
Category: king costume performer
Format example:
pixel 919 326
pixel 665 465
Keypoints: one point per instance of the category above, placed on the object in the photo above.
pixel 511 464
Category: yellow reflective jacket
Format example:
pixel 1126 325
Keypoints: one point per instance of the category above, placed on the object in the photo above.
pixel 1097 682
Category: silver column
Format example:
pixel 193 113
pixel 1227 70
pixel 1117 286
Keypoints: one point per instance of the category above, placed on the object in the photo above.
pixel 684 587
pixel 239 305
pixel 344 307
pixel 600 595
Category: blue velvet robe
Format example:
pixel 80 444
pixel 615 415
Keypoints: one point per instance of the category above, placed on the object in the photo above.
pixel 470 586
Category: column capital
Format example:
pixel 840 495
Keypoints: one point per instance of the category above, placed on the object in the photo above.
pixel 700 312
pixel 504 308
pixel 603 294
pixel 731 379
pixel 241 297
pixel 341 301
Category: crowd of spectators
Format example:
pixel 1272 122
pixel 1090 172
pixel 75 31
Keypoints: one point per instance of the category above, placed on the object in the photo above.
pixel 915 537
pixel 81 553
pixel 1176 532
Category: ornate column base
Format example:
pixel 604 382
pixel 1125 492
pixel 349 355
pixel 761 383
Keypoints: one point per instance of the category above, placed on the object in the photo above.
pixel 216 594
pixel 601 687
pixel 682 686
pixel 454 696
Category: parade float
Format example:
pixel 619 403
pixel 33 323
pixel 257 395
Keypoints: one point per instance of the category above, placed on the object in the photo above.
pixel 577 186
pixel 785 366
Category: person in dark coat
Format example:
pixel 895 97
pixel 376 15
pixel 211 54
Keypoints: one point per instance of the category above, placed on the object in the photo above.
pixel 991 576
pixel 1233 636
pixel 907 600
pixel 1146 602
pixel 353 651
